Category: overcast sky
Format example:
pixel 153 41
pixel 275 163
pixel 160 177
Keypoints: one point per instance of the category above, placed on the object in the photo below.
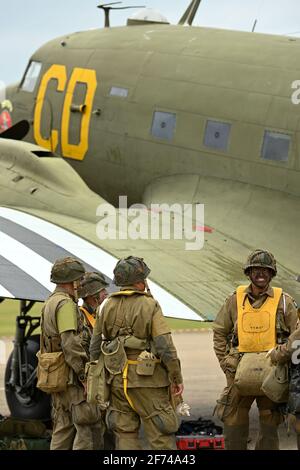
pixel 27 24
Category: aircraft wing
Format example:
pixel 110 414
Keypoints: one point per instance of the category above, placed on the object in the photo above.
pixel 47 212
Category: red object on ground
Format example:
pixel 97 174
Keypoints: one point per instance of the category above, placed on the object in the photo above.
pixel 200 442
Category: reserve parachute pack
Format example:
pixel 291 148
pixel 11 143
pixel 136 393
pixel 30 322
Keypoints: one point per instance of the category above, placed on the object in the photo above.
pixel 251 373
pixel 257 376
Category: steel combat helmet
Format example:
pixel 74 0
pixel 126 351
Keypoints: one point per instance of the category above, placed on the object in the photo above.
pixel 91 284
pixel 260 258
pixel 130 270
pixel 66 270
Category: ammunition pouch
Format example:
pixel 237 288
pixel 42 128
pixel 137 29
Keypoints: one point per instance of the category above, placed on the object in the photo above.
pixel 98 389
pixel 276 383
pixel 86 414
pixel 114 356
pixel 52 372
pixel 251 372
pixel 146 363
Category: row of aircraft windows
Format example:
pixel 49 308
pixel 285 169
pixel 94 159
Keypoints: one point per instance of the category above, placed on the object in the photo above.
pixel 275 146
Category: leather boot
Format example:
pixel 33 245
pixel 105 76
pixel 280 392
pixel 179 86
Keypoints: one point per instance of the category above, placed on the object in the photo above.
pixel 236 437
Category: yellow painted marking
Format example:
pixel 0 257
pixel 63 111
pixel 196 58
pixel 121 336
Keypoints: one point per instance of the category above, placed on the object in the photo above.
pixel 55 72
pixel 78 151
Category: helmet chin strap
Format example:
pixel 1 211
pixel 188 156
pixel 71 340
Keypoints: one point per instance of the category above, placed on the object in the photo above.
pixel 147 287
pixel 75 287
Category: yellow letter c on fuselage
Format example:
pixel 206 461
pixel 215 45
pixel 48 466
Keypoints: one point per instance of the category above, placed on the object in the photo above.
pixel 55 72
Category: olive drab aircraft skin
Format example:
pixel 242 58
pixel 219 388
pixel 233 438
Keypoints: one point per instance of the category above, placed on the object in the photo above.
pixel 161 114
pixel 154 106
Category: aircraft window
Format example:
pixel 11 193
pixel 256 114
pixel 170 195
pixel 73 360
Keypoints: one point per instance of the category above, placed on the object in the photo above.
pixel 31 76
pixel 217 135
pixel 163 125
pixel 117 91
pixel 276 147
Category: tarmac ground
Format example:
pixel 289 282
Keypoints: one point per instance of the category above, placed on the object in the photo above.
pixel 203 381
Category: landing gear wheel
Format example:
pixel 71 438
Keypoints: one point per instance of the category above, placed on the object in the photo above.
pixel 32 404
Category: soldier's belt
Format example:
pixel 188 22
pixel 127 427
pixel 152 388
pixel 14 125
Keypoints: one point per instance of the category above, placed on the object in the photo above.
pixel 125 378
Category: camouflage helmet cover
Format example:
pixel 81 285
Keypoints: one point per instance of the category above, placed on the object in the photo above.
pixel 66 270
pixel 130 270
pixel 91 284
pixel 260 258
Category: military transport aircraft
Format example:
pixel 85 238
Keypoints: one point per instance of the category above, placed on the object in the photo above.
pixel 162 114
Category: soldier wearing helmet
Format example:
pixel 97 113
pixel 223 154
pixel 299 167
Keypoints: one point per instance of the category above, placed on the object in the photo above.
pixel 254 319
pixel 93 292
pixel 141 361
pixel 74 420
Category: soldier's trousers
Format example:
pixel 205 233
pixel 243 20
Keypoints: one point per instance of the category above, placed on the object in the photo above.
pixel 153 408
pixel 233 409
pixel 77 424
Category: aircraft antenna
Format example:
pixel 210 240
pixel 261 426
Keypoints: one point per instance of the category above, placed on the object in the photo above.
pixel 106 7
pixel 254 26
pixel 190 13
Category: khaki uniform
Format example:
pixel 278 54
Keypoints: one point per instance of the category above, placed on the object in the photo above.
pixel 149 399
pixel 88 320
pixel 282 354
pixel 75 422
pixel 232 408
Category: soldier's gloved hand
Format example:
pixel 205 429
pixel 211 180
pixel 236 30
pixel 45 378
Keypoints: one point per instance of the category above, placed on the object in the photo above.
pixel 177 389
pixel 272 355
pixel 269 352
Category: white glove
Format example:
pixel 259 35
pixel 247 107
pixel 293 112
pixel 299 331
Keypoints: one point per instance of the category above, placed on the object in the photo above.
pixel 183 409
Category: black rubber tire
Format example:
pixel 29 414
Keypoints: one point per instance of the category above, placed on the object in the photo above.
pixel 40 405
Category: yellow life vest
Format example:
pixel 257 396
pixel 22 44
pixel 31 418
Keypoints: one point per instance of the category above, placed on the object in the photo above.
pixel 90 319
pixel 257 326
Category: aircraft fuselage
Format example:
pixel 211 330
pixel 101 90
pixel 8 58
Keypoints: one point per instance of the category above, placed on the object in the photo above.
pixel 133 104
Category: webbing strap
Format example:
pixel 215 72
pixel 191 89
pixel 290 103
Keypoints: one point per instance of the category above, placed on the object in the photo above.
pixel 125 381
pixel 91 320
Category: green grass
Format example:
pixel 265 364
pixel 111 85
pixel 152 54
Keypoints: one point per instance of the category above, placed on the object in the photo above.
pixel 176 324
pixel 9 309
